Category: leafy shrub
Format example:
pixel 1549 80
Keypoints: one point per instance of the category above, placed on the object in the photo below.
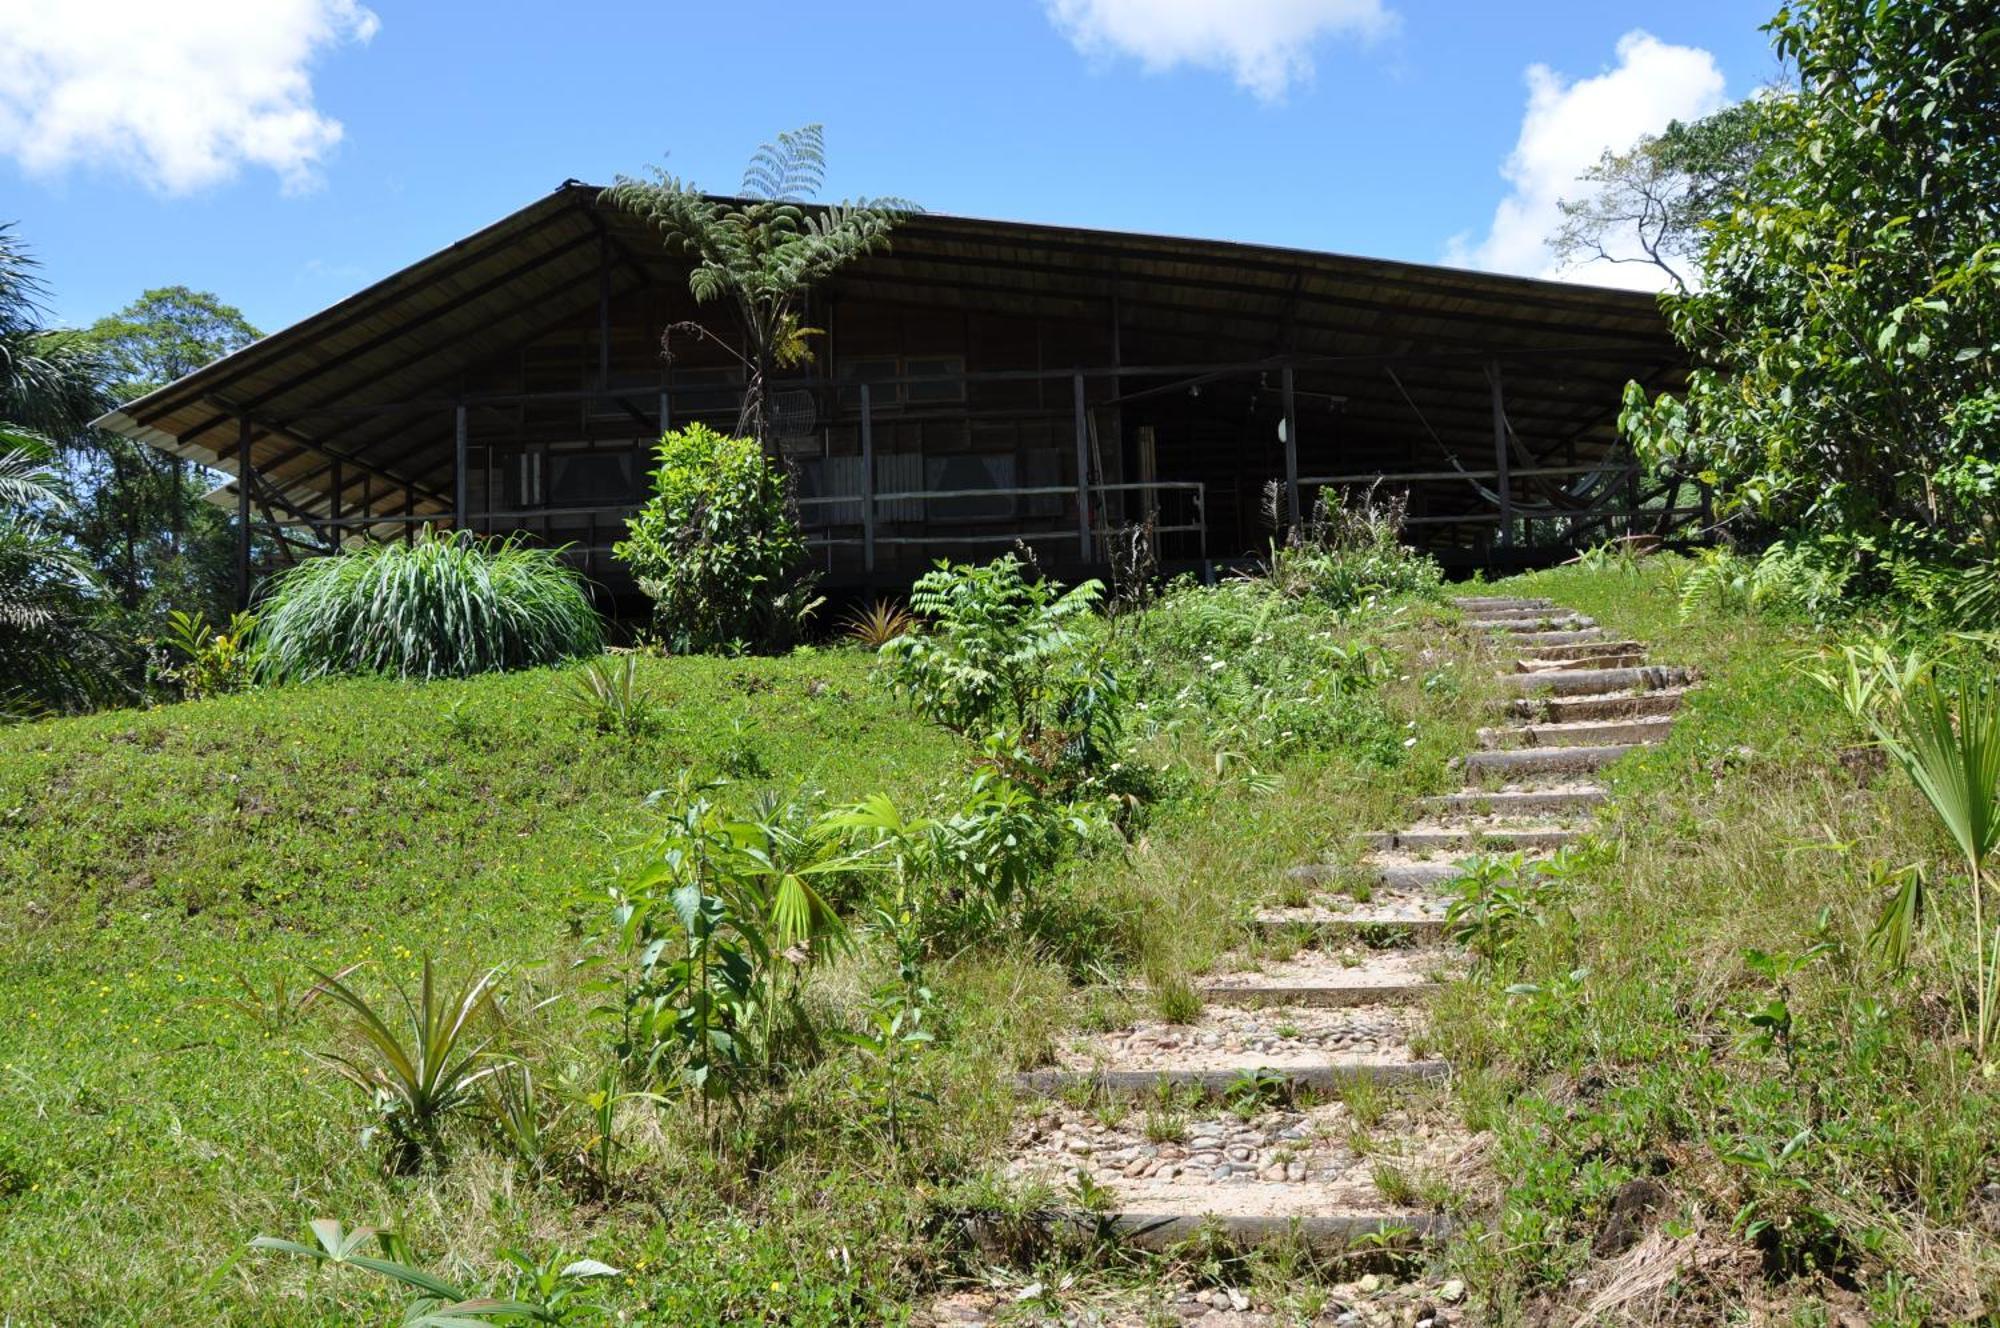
pixel 1806 580
pixel 1257 672
pixel 1846 334
pixel 446 605
pixel 715 921
pixel 208 660
pixel 1346 553
pixel 717 547
pixel 1004 651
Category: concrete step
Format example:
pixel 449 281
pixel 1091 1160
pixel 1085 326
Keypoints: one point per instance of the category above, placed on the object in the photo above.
pixel 1143 1223
pixel 1576 800
pixel 1309 1047
pixel 1326 1077
pixel 1159 1175
pixel 1578 709
pixel 1595 733
pixel 1398 873
pixel 1564 622
pixel 1406 919
pixel 1534 762
pixel 1609 659
pixel 1490 603
pixel 1597 682
pixel 1536 640
pixel 1321 979
pixel 1581 649
pixel 1461 839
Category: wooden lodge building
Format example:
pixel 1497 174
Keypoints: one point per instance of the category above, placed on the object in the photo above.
pixel 980 383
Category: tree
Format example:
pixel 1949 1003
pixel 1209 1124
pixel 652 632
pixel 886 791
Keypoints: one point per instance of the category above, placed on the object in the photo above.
pixel 139 514
pixel 1659 194
pixel 50 659
pixel 49 378
pixel 1846 337
pixel 763 250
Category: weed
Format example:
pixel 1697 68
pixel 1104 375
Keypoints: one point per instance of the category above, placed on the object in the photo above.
pixel 418 1077
pixel 609 696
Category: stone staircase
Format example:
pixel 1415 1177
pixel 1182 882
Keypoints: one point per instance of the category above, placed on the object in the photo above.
pixel 1137 1128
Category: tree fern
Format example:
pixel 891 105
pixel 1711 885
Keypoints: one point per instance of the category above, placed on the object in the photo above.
pixel 762 252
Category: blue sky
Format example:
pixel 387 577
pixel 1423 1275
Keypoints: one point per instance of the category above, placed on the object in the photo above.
pixel 283 153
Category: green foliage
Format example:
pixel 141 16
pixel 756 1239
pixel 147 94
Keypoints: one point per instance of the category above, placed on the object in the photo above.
pixel 446 605
pixel 1846 336
pixel 208 660
pixel 550 1292
pixel 1257 673
pixel 1805 580
pixel 427 1071
pixel 715 923
pixel 139 515
pixel 762 250
pixel 1001 651
pixel 52 659
pixel 611 697
pixel 717 547
pixel 1350 553
pixel 1945 734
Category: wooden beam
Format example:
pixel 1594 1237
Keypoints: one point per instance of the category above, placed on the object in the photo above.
pixel 244 470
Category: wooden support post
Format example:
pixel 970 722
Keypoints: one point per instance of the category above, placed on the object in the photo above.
pixel 1503 484
pixel 867 481
pixel 666 413
pixel 459 467
pixel 1294 516
pixel 243 476
pixel 333 507
pixel 1082 473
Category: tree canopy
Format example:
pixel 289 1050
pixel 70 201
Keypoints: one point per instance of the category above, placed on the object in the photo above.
pixel 1846 334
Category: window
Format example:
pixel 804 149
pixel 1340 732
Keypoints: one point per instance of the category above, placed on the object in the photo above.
pixel 870 369
pixel 875 368
pixel 948 367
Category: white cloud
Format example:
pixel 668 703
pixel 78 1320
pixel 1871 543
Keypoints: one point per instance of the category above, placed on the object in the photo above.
pixel 179 95
pixel 1265 44
pixel 1566 128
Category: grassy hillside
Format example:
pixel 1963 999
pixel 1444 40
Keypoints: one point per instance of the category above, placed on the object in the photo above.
pixel 163 873
pixel 152 862
pixel 1712 1098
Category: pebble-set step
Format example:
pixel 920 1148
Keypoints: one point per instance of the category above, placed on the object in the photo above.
pixel 1367 947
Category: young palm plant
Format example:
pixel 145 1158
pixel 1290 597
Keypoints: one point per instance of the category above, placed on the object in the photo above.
pixel 429 1068
pixel 1945 734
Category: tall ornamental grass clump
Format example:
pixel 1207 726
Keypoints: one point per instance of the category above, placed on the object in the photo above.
pixel 446 606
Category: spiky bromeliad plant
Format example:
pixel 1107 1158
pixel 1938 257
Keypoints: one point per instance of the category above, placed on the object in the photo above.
pixel 446 605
